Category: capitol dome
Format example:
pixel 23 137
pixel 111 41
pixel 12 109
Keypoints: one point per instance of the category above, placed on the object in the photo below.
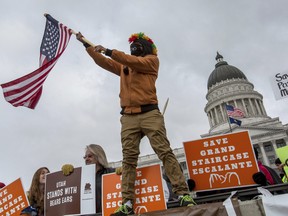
pixel 223 71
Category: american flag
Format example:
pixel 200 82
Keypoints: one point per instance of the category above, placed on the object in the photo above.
pixel 26 91
pixel 234 112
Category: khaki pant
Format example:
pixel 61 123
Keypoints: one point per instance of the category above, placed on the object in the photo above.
pixel 152 125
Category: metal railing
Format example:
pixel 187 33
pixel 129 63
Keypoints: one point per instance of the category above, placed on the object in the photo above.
pixel 242 194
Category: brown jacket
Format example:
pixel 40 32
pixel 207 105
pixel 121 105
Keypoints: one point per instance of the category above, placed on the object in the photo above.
pixel 137 87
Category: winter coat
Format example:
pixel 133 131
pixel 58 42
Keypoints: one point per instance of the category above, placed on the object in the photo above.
pixel 137 78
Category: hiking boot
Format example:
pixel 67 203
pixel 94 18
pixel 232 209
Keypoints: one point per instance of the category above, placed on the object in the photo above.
pixel 123 210
pixel 186 200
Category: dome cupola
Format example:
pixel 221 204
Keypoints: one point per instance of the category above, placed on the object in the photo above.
pixel 223 71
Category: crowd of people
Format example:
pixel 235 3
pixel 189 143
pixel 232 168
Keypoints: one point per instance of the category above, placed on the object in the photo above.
pixel 138 72
pixel 95 154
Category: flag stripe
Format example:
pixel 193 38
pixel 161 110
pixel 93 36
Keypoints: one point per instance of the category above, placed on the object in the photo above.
pixel 17 96
pixel 23 94
pixel 26 90
pixel 63 39
pixel 29 94
pixel 27 78
pixel 30 101
pixel 23 83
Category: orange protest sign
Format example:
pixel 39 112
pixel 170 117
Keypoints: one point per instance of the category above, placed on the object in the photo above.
pixel 13 199
pixel 223 161
pixel 148 191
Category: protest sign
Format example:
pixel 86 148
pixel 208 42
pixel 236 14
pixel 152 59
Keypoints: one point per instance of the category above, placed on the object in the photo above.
pixel 279 84
pixel 72 194
pixel 282 153
pixel 223 161
pixel 13 199
pixel 149 191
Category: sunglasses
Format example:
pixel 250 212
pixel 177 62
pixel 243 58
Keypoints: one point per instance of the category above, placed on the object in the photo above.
pixel 135 47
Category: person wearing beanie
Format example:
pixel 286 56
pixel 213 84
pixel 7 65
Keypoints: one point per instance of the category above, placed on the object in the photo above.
pixel 138 72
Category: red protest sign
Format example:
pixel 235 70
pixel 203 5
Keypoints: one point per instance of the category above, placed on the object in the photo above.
pixel 13 199
pixel 149 191
pixel 223 161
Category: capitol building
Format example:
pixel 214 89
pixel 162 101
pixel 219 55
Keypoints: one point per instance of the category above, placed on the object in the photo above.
pixel 229 85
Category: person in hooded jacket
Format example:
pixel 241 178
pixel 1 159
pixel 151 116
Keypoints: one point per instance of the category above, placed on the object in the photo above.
pixel 138 72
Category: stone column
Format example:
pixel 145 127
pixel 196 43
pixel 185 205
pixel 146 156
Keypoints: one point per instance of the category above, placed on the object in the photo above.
pixel 223 113
pixel 245 109
pixel 216 115
pixel 264 156
pixel 257 107
pixel 274 145
pixel 212 117
pixel 251 105
pixel 209 119
pixel 262 106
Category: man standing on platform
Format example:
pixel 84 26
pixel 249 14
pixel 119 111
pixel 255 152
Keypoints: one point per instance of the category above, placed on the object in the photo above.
pixel 140 114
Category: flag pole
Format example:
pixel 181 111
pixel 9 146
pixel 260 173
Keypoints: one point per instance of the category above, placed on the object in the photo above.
pixel 227 116
pixel 83 38
pixel 165 106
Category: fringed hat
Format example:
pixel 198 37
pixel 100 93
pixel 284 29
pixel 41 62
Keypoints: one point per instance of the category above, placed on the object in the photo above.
pixel 140 37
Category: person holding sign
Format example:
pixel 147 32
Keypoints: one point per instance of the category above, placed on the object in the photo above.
pixel 267 175
pixel 37 189
pixel 138 73
pixel 94 154
pixel 280 167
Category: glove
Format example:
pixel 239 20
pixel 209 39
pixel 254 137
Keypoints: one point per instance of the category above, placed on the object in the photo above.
pixel 79 37
pixel 67 169
pixel 29 211
pixel 260 178
pixel 118 170
pixel 191 184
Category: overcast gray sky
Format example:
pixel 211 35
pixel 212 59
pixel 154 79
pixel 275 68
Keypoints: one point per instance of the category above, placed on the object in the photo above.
pixel 80 103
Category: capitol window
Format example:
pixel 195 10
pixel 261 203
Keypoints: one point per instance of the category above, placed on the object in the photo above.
pixel 268 147
pixel 280 143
